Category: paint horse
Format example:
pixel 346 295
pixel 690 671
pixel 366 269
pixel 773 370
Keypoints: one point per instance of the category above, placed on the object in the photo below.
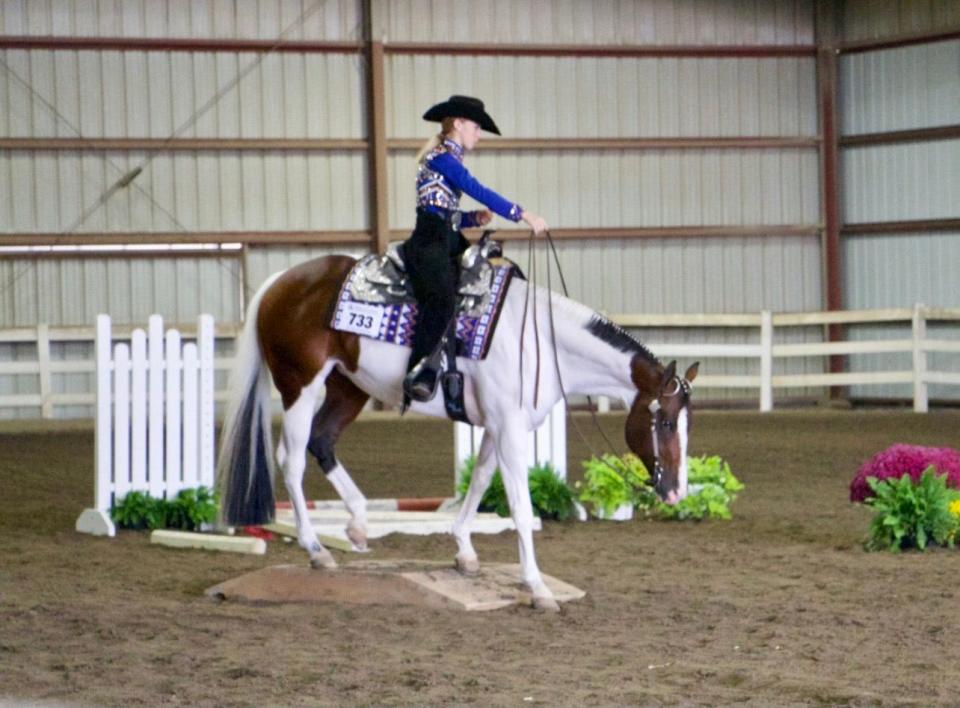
pixel 326 376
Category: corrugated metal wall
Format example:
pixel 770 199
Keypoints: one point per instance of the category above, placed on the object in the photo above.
pixel 149 94
pixel 248 19
pixel 898 89
pixel 600 21
pixel 873 19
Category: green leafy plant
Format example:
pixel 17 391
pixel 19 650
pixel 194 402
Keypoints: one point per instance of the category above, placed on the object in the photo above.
pixel 611 481
pixel 189 510
pixel 912 515
pixel 192 508
pixel 138 510
pixel 549 495
pixel 712 489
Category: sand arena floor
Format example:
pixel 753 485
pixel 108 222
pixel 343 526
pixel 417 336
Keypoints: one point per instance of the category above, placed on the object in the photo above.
pixel 779 606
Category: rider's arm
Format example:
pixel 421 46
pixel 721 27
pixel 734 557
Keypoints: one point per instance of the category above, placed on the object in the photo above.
pixel 461 179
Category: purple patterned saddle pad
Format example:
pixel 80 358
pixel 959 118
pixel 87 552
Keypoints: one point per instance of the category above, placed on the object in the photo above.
pixel 374 302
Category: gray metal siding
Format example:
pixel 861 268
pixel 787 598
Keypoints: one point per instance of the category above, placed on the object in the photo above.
pixel 600 21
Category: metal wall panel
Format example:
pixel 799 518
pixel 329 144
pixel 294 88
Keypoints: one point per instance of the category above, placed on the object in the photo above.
pixel 549 97
pixel 902 181
pixel 219 19
pixel 264 261
pixel 876 19
pixel 694 275
pixel 167 94
pixel 640 188
pixel 900 270
pixel 205 191
pixel 600 21
pixel 898 89
pixel 72 291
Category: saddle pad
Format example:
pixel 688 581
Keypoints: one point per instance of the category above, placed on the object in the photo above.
pixel 395 322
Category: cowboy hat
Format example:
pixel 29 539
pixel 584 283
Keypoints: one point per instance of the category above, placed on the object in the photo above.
pixel 462 107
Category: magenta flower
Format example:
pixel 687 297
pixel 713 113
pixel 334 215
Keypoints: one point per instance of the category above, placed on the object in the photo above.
pixel 900 459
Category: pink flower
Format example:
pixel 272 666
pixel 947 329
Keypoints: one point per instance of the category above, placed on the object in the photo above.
pixel 900 459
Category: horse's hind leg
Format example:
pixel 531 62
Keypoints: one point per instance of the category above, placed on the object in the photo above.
pixel 466 560
pixel 341 405
pixel 296 435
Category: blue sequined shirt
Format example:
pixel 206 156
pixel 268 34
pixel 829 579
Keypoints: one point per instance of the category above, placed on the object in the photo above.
pixel 442 178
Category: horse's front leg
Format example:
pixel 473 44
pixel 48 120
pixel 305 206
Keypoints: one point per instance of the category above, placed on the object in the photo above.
pixel 511 443
pixel 467 561
pixel 296 432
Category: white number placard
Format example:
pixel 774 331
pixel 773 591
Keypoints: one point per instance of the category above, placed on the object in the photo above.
pixel 360 318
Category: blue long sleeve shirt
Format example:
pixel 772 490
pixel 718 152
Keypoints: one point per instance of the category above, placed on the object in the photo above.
pixel 442 178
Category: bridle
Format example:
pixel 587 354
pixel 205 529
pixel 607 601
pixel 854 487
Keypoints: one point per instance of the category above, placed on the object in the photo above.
pixel 680 384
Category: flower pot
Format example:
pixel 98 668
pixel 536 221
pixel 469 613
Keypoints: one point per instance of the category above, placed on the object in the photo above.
pixel 624 512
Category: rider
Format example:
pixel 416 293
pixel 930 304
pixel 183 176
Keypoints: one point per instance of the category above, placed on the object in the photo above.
pixel 432 253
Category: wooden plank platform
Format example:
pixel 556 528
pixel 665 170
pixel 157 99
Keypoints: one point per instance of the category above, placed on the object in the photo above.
pixel 333 522
pixel 420 583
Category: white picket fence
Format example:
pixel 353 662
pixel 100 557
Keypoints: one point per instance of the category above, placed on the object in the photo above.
pixel 547 444
pixel 154 416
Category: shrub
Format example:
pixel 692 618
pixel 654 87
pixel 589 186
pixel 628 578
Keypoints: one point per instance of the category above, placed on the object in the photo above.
pixel 611 481
pixel 911 460
pixel 912 514
pixel 713 488
pixel 549 495
pixel 188 511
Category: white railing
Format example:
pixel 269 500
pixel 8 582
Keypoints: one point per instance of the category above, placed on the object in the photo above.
pixel 765 351
pixel 154 417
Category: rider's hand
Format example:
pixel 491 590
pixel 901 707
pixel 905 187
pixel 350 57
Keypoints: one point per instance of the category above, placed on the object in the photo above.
pixel 483 217
pixel 535 222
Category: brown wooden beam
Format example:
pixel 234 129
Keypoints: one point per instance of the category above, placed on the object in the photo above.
pixel 378 199
pixel 661 232
pixel 184 144
pixel 263 238
pixel 899 40
pixel 669 143
pixel 915 135
pixel 608 50
pixel 827 38
pixel 172 44
pixel 901 227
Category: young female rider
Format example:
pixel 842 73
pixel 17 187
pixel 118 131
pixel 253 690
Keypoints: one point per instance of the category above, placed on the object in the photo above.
pixel 432 253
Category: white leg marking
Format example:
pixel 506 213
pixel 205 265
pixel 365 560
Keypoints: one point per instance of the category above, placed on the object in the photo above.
pixel 356 504
pixel 683 422
pixel 296 434
pixel 511 452
pixel 467 562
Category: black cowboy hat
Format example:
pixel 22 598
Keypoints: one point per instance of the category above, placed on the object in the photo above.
pixel 462 107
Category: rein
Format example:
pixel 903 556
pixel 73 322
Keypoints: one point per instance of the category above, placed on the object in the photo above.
pixel 654 406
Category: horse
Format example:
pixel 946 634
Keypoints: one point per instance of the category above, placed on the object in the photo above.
pixel 325 377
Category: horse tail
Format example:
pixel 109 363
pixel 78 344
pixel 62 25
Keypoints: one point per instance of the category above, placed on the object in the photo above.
pixel 245 469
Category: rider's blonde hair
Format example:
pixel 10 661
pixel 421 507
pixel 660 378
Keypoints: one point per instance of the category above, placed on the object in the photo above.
pixel 446 127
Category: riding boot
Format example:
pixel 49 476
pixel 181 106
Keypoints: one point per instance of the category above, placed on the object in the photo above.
pixel 420 384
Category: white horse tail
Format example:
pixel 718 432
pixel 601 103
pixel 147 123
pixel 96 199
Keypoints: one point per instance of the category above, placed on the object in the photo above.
pixel 245 468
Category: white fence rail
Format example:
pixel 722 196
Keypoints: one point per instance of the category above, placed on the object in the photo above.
pixel 154 416
pixel 767 351
pixel 42 369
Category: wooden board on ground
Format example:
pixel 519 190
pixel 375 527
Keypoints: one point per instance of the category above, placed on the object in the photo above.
pixel 333 522
pixel 420 583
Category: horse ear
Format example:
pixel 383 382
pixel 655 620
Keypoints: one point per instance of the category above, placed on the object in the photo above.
pixel 668 374
pixel 692 372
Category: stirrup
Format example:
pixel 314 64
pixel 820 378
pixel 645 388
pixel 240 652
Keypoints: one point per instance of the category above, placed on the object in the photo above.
pixel 421 383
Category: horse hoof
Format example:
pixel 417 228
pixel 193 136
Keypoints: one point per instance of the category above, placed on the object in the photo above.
pixel 468 566
pixel 545 604
pixel 358 538
pixel 323 561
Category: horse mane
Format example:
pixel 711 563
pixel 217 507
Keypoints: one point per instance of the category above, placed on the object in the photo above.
pixel 617 337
